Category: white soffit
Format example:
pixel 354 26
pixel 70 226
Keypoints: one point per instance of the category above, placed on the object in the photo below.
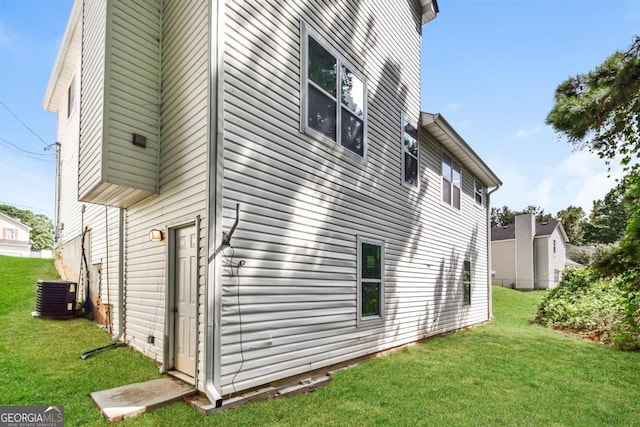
pixel 446 135
pixel 429 10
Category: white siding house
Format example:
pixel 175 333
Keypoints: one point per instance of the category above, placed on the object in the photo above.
pixel 14 237
pixel 527 255
pixel 304 211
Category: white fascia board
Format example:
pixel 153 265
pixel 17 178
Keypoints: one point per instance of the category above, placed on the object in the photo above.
pixel 49 102
pixel 445 134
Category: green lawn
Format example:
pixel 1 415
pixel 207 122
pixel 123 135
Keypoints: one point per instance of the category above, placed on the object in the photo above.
pixel 505 373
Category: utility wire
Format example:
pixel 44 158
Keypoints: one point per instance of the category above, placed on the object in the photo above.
pixel 26 151
pixel 3 143
pixel 24 124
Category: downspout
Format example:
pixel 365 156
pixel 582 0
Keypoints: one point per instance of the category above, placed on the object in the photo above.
pixel 489 278
pixel 56 235
pixel 214 191
pixel 117 337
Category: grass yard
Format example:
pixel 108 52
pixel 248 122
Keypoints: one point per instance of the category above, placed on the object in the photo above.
pixel 504 373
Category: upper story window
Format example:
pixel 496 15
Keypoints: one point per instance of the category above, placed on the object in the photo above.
pixel 554 246
pixel 370 280
pixel 334 95
pixel 479 191
pixel 451 181
pixel 71 96
pixel 409 153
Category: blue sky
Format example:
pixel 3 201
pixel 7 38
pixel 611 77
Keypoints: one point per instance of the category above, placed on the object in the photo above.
pixel 489 66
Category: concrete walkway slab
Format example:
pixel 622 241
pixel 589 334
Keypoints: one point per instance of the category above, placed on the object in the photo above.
pixel 134 399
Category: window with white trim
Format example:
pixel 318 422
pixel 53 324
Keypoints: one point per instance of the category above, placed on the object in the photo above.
pixel 370 280
pixel 451 181
pixel 409 153
pixel 334 95
pixel 71 96
pixel 478 191
pixel 466 282
pixel 556 276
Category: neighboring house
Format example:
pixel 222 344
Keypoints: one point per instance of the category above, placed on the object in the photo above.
pixel 254 183
pixel 14 237
pixel 527 255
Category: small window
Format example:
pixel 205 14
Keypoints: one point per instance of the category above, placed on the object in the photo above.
pixel 451 181
pixel 334 106
pixel 554 246
pixel 71 96
pixel 11 234
pixel 466 282
pixel 556 276
pixel 479 192
pixel 409 153
pixel 370 280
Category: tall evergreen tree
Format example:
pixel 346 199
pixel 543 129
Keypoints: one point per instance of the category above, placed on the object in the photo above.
pixel 600 110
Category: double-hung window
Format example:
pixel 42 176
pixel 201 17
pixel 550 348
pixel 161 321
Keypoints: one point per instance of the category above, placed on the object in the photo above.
pixel 451 181
pixel 370 280
pixel 409 153
pixel 466 282
pixel 334 96
pixel 479 191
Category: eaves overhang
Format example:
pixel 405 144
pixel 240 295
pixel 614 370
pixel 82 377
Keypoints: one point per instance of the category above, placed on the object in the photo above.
pixel 445 134
pixel 66 61
pixel 429 10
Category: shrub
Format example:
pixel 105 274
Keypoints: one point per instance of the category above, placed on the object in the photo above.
pixel 603 309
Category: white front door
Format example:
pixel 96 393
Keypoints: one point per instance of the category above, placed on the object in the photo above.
pixel 186 300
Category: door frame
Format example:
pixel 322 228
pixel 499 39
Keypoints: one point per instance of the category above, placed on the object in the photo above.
pixel 170 298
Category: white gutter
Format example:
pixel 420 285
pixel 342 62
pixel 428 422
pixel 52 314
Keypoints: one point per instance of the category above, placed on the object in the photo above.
pixel 214 192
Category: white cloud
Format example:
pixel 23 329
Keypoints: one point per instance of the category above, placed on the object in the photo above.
pixel 528 133
pixel 544 192
pixel 6 39
pixel 454 107
pixel 578 180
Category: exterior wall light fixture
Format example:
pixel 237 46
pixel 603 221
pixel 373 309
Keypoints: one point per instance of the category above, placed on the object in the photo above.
pixel 156 235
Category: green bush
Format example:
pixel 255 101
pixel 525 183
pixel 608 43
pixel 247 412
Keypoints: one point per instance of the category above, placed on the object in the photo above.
pixel 600 308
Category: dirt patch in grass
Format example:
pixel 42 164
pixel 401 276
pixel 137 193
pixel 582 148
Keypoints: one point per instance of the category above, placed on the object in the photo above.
pixel 594 335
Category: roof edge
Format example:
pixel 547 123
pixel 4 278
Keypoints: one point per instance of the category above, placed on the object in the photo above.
pixel 455 138
pixel 64 46
pixel 429 10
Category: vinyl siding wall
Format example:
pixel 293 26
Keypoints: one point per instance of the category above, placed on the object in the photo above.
pixel 132 93
pixel 85 122
pixel 183 178
pixel 94 16
pixel 547 261
pixel 292 307
pixel 503 258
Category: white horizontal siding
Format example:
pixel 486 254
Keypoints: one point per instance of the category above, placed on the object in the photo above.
pixel 182 179
pixel 303 202
pixel 91 95
pixel 133 91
